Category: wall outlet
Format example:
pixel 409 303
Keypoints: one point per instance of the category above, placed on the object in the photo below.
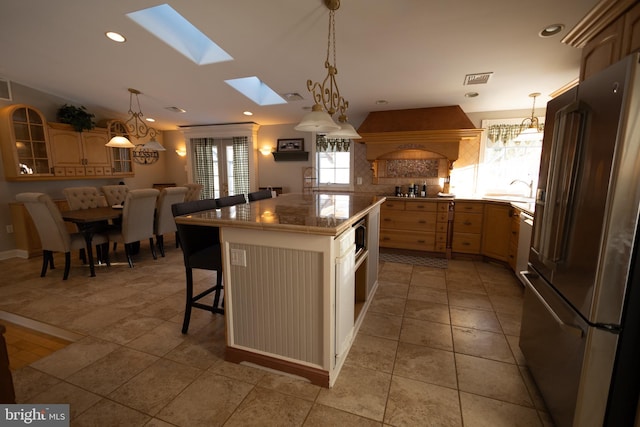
pixel 9 229
pixel 239 257
pixel 359 180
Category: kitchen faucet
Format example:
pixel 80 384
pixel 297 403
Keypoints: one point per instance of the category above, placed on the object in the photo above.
pixel 528 184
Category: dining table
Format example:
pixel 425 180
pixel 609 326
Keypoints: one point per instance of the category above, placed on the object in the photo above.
pixel 90 221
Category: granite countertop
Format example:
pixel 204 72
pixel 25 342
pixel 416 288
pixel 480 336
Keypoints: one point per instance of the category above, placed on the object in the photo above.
pixel 316 213
pixel 520 203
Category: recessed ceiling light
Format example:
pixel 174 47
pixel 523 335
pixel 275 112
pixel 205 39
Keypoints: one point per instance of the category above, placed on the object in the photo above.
pixel 116 37
pixel 551 30
pixel 176 109
pixel 471 94
pixel 150 119
pixel 382 102
pixel 247 113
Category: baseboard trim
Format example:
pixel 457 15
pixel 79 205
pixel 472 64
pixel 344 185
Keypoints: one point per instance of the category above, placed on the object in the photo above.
pixel 14 253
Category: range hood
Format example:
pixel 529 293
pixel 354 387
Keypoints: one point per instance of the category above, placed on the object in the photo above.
pixel 436 131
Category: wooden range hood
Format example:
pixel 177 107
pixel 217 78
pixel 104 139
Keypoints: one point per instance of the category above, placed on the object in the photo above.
pixel 436 130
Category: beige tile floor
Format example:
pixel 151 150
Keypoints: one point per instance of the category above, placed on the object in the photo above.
pixel 436 348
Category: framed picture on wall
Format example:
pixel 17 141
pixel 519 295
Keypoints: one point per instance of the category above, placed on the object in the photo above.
pixel 291 144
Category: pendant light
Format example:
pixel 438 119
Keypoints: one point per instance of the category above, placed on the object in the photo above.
pixel 137 127
pixel 530 126
pixel 326 95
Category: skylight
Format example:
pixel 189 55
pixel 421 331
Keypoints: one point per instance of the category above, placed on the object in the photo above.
pixel 172 28
pixel 256 90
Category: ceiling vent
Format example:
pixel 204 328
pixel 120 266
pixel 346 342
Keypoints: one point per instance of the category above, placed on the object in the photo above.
pixel 477 79
pixel 5 90
pixel 176 109
pixel 293 96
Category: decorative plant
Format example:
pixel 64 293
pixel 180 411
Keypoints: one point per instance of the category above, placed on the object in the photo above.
pixel 78 117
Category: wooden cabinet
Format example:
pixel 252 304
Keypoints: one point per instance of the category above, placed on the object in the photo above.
pixel 616 40
pixel 496 231
pixel 445 209
pixel 410 224
pixel 79 154
pixel 24 143
pixel 467 227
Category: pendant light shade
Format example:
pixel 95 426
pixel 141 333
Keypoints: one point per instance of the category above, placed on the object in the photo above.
pixel 317 121
pixel 154 145
pixel 346 131
pixel 119 142
pixel 531 127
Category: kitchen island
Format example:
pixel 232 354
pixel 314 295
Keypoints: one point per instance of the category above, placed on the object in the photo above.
pixel 299 273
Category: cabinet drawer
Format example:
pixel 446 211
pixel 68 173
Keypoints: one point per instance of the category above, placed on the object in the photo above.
pixel 443 217
pixel 466 243
pixel 441 227
pixel 440 247
pixel 443 207
pixel 421 206
pixel 468 207
pixel 441 237
pixel 407 240
pixel 467 223
pixel 392 205
pixel 409 221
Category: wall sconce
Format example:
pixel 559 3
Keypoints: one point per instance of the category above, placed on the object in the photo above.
pixel 265 151
pixel 181 152
pixel 441 182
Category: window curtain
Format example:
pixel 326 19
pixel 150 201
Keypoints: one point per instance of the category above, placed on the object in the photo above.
pixel 504 133
pixel 241 164
pixel 328 145
pixel 204 165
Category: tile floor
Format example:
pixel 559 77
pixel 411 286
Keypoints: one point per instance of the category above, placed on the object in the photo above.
pixel 436 348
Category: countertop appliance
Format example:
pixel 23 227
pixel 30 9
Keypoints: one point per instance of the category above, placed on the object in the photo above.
pixel 580 330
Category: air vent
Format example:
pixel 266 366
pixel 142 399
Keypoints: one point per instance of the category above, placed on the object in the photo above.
pixel 176 109
pixel 5 90
pixel 477 79
pixel 293 96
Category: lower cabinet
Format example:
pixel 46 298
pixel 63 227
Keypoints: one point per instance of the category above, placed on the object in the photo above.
pixel 467 227
pixel 496 231
pixel 411 224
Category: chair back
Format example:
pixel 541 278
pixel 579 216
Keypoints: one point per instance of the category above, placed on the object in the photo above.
pixel 52 230
pixel 193 192
pixel 164 222
pixel 230 200
pixel 192 206
pixel 115 194
pixel 84 198
pixel 138 214
pixel 259 195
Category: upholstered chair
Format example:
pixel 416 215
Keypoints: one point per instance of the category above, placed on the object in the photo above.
pixel 115 194
pixel 84 198
pixel 53 232
pixel 193 192
pixel 164 222
pixel 137 221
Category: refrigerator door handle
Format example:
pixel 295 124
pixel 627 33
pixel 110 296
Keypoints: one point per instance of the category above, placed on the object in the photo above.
pixel 563 171
pixel 572 329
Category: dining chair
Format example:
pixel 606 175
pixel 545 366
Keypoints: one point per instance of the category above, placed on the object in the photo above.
pixel 230 200
pixel 201 249
pixel 193 192
pixel 115 194
pixel 164 222
pixel 53 232
pixel 137 221
pixel 87 198
pixel 259 195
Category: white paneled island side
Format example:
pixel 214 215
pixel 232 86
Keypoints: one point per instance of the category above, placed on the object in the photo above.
pixel 296 284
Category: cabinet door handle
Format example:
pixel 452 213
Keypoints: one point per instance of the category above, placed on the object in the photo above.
pixel 421 241
pixel 467 223
pixel 387 219
pixel 422 221
pixel 466 243
pixel 386 238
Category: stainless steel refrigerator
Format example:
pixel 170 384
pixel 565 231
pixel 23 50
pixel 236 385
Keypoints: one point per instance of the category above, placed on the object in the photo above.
pixel 580 330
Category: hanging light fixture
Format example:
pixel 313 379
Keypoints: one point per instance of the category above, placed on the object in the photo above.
pixel 530 127
pixel 137 127
pixel 326 95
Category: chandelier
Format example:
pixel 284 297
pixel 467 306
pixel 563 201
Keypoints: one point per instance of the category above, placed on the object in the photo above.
pixel 326 95
pixel 136 127
pixel 530 127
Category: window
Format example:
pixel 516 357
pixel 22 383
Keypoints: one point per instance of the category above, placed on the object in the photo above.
pixel 508 166
pixel 334 162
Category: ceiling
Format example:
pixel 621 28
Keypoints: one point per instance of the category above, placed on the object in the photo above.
pixel 411 53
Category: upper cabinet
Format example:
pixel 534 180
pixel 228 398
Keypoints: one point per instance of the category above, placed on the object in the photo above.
pixel 79 154
pixel 24 143
pixel 607 34
pixel 33 149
